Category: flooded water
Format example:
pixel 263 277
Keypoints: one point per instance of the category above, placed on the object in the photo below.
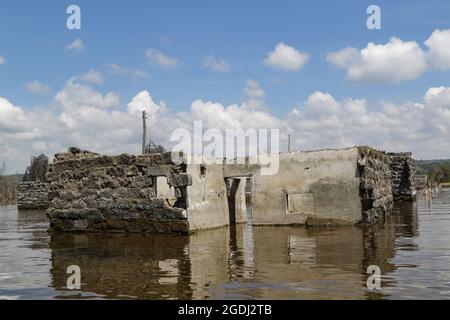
pixel 412 248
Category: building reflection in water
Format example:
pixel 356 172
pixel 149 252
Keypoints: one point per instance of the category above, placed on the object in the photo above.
pixel 238 262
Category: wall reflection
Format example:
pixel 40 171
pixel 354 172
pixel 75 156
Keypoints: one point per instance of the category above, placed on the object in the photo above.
pixel 239 262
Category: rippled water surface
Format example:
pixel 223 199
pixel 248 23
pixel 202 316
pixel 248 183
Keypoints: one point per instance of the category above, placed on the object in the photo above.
pixel 412 248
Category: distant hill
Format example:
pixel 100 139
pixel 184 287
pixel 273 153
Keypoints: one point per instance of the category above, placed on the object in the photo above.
pixel 423 167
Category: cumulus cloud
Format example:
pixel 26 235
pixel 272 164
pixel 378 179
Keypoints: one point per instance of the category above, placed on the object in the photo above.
pixel 214 64
pixel 92 76
pixel 421 127
pixel 155 57
pixel 37 87
pixel 11 117
pixel 439 49
pixel 76 46
pixel 2 60
pixel 394 61
pixel 76 96
pixel 81 116
pixel 286 58
pixel 144 102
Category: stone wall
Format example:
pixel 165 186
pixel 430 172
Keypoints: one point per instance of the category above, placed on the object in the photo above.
pixel 91 192
pixel 32 195
pixel 403 169
pixel 375 184
pixel 96 193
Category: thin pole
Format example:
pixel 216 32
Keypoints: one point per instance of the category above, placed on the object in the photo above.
pixel 144 131
pixel 289 143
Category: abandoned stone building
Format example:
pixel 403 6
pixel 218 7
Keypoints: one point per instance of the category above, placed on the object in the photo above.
pixel 150 193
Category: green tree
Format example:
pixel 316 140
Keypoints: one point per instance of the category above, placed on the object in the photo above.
pixel 37 171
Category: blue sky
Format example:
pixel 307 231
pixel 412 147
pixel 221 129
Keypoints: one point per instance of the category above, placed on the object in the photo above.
pixel 241 32
pixel 395 98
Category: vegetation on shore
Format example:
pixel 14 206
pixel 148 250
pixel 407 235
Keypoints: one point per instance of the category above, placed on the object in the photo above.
pixel 437 171
pixel 7 188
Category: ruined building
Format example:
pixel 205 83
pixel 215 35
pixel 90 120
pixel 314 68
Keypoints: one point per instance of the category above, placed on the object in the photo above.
pixel 151 193
pixel 32 195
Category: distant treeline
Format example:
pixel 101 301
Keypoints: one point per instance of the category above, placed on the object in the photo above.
pixel 438 171
pixel 7 188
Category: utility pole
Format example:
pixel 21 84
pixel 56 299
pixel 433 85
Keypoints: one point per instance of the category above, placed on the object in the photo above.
pixel 289 143
pixel 144 131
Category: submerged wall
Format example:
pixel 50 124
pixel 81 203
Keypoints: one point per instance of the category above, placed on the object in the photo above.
pixel 403 169
pixel 309 188
pixel 32 195
pixel 207 197
pixel 90 192
pixel 375 189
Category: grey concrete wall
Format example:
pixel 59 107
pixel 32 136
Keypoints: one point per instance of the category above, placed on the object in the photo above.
pixel 207 198
pixel 309 187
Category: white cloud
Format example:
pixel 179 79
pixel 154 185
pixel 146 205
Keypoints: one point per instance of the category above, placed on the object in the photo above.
pixel 394 61
pixel 37 87
pixel 2 60
pixel 144 102
pixel 11 117
pixel 116 69
pixel 253 89
pixel 92 76
pixel 216 115
pixel 76 96
pixel 156 57
pixel 76 46
pixel 286 58
pixel 215 64
pixel 81 116
pixel 439 49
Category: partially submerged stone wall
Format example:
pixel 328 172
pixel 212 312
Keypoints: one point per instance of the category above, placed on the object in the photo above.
pixel 403 169
pixel 375 184
pixel 93 193
pixel 32 195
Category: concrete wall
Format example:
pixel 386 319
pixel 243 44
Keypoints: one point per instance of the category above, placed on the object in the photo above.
pixel 309 187
pixel 207 197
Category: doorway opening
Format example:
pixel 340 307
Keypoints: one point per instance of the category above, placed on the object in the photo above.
pixel 239 197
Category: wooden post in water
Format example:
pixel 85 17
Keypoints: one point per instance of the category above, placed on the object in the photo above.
pixel 144 131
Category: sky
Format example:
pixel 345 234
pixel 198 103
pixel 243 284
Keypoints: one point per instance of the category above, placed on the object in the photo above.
pixel 312 69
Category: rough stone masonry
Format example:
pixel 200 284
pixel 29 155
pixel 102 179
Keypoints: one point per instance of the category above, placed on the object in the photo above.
pixel 90 192
pixel 32 195
pixel 403 171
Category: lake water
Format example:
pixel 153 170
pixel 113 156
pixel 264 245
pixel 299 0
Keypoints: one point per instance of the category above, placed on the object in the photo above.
pixel 412 248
